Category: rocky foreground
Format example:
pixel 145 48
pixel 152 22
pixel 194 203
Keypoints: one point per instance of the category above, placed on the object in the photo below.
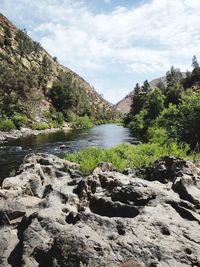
pixel 50 215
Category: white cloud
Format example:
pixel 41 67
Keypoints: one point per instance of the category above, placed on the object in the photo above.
pixel 144 40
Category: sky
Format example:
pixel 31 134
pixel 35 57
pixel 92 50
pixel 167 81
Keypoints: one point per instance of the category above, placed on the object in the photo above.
pixel 113 44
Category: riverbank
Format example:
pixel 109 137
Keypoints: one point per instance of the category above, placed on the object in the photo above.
pixel 25 132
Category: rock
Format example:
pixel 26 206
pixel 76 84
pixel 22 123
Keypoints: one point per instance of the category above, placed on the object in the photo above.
pixel 24 132
pixel 8 242
pixel 131 264
pixel 50 215
pixel 62 146
pixel 188 188
pixel 169 168
pixel 104 167
pixel 19 148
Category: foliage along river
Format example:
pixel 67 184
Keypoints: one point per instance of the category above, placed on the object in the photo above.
pixel 105 135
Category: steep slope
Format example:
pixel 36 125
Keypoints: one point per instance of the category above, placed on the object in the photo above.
pixel 28 74
pixel 124 105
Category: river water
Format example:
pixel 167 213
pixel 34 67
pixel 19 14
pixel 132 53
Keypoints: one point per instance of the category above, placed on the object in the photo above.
pixel 106 135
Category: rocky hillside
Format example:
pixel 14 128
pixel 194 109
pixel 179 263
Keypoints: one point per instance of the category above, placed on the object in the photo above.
pixel 124 105
pixel 50 215
pixel 28 73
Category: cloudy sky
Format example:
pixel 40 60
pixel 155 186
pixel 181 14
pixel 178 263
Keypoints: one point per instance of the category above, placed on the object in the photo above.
pixel 113 43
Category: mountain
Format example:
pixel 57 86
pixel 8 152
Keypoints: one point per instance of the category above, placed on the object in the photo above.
pixel 124 105
pixel 33 84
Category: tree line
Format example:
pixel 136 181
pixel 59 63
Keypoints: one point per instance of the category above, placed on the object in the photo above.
pixel 171 111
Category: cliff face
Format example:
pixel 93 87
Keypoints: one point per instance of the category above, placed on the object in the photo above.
pixel 124 105
pixel 31 73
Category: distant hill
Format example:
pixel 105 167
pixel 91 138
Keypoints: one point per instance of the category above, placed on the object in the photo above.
pixel 28 73
pixel 124 105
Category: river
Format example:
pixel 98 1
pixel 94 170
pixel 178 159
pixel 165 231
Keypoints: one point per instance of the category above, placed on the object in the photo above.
pixel 105 135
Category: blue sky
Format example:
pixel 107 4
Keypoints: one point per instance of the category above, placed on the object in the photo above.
pixel 113 43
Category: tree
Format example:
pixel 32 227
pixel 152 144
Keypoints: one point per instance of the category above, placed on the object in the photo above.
pixel 140 124
pixel 182 122
pixel 160 84
pixel 173 77
pixel 155 103
pixel 174 88
pixel 195 63
pixel 138 100
pixel 195 76
pixel 145 86
pixel 189 110
pixel 137 89
pixel 63 98
pixel 169 119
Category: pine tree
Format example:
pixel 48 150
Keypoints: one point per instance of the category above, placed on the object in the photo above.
pixel 138 100
pixel 145 86
pixel 195 63
pixel 137 89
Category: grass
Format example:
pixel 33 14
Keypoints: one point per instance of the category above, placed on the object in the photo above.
pixel 125 155
pixel 7 125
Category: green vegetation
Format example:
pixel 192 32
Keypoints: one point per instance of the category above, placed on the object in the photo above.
pixel 62 95
pixel 25 44
pixel 54 119
pixel 19 120
pixel 7 41
pixel 125 155
pixel 39 126
pixel 169 112
pixel 83 122
pixel 68 96
pixel 7 125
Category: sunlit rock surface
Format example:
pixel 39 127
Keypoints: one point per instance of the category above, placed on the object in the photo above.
pixel 50 215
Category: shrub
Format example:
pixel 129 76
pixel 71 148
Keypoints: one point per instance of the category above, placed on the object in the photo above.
pixel 55 59
pixel 157 135
pixel 125 155
pixel 55 119
pixel 7 125
pixel 25 44
pixel 19 120
pixel 39 126
pixel 83 122
pixel 59 118
pixel 37 47
pixel 7 41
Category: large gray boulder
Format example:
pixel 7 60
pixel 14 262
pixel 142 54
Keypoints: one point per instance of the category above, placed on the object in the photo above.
pixel 52 216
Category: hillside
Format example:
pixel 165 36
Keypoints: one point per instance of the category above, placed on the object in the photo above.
pixel 35 86
pixel 124 105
